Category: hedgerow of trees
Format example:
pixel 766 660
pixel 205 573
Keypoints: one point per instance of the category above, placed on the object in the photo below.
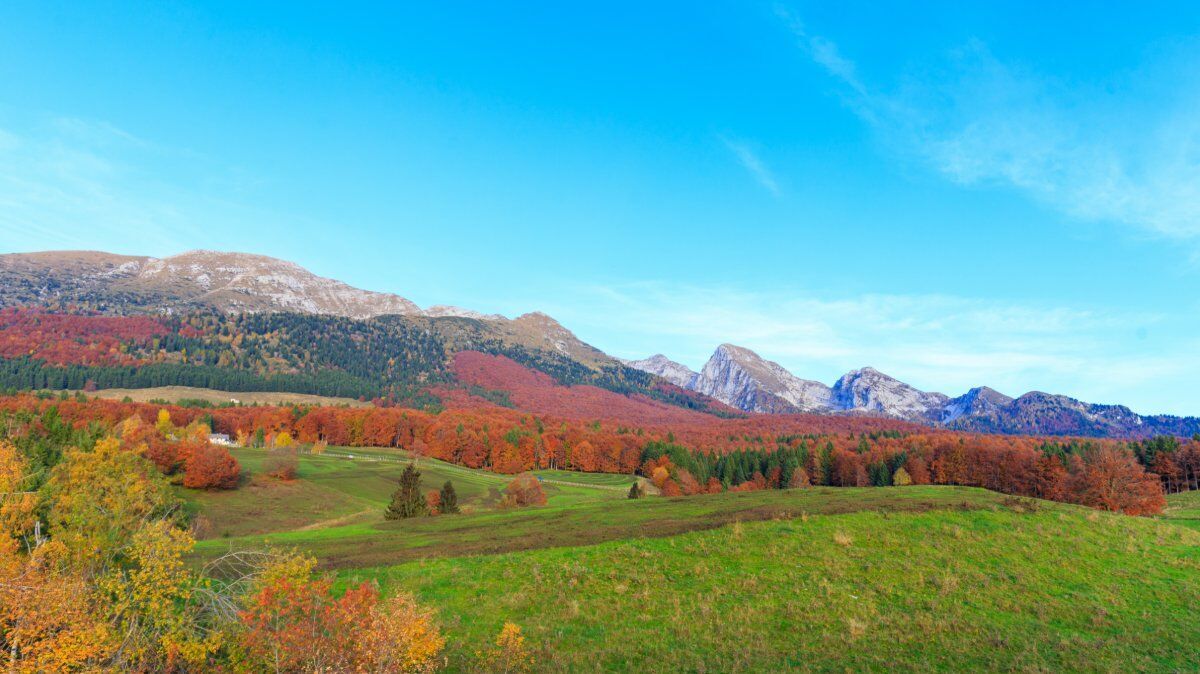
pixel 726 454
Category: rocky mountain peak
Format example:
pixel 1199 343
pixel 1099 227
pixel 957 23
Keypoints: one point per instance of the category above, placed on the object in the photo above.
pixel 541 331
pixel 248 282
pixel 870 390
pixel 658 364
pixel 740 377
pixel 446 310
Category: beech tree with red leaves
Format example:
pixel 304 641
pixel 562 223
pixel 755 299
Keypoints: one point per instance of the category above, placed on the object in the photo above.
pixel 1111 479
pixel 210 466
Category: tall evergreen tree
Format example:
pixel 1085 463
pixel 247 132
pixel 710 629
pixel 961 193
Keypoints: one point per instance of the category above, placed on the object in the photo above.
pixel 449 502
pixel 407 500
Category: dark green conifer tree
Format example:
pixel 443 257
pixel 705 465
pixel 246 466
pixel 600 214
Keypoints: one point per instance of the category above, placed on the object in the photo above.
pixel 449 502
pixel 407 500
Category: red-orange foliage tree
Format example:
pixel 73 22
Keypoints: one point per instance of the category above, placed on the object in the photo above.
pixel 1111 479
pixel 210 467
pixel 524 490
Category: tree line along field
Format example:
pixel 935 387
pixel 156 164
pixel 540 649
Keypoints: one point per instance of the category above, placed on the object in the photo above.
pixel 349 529
pixel 203 397
pixel 928 578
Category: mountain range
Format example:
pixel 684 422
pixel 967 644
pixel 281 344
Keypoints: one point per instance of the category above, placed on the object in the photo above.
pixel 742 379
pixel 240 283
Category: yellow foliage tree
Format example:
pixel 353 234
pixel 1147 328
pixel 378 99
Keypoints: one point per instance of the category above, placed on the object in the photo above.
pixel 293 568
pixel 402 637
pixel 283 440
pixel 133 424
pixel 100 498
pixel 197 430
pixel 17 504
pixel 164 424
pixel 901 478
pixel 144 597
pixel 509 655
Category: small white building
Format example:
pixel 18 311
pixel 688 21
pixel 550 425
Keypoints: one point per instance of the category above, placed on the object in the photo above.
pixel 221 439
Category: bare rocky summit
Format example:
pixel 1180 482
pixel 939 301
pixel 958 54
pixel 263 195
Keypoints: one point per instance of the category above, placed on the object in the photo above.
pixel 231 282
pixel 869 390
pixel 658 364
pixel 742 379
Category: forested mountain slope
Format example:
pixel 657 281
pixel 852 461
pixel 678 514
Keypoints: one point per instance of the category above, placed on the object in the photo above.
pixel 235 321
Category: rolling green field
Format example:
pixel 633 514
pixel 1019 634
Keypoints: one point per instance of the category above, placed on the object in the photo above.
pixel 1011 589
pixel 822 579
pixel 345 487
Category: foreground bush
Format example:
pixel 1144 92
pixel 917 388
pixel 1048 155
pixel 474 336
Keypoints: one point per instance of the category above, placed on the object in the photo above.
pixel 525 490
pixel 295 624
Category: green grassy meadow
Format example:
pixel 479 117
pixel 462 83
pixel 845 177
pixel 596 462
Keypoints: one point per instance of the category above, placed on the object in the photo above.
pixel 333 490
pixel 822 579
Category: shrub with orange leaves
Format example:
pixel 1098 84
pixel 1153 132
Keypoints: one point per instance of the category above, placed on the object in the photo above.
pixel 51 620
pixel 433 500
pixel 687 483
pixel 296 624
pixel 659 476
pixel 210 467
pixel 525 490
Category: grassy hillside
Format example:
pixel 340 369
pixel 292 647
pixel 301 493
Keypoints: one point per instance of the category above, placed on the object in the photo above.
pixel 822 579
pixel 351 486
pixel 1006 588
pixel 335 509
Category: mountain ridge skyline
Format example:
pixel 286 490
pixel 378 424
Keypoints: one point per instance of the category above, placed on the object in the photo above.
pixel 118 267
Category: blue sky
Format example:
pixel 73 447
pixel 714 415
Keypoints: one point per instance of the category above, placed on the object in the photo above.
pixel 954 194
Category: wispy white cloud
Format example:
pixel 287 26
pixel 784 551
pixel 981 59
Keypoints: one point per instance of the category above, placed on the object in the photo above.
pixel 67 182
pixel 824 52
pixel 936 342
pixel 71 182
pixel 1095 151
pixel 752 163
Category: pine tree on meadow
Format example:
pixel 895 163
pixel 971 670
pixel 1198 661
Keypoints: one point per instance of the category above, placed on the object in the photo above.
pixel 449 503
pixel 407 500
